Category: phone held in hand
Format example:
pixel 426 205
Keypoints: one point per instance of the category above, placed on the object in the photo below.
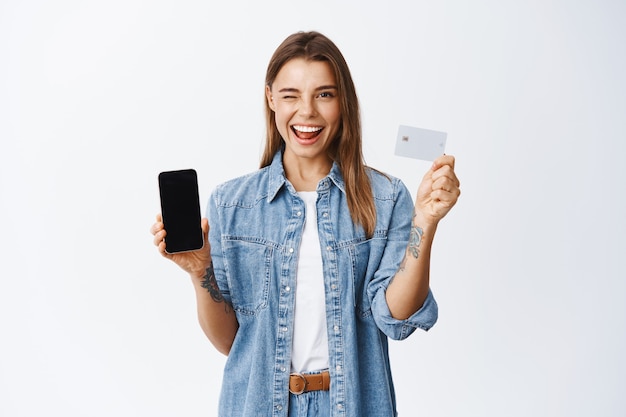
pixel 180 208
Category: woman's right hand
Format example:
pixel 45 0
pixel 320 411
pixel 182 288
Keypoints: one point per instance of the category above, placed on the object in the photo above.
pixel 194 262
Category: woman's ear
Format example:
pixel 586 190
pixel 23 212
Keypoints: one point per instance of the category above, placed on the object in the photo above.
pixel 270 97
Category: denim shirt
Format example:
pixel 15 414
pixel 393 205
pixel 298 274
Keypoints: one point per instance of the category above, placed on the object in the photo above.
pixel 256 223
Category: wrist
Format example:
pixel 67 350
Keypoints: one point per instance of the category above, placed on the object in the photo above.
pixel 198 275
pixel 426 223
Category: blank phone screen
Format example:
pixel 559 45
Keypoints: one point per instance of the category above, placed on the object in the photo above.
pixel 180 207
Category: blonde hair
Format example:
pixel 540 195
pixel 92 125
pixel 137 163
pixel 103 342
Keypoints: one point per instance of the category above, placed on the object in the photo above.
pixel 346 148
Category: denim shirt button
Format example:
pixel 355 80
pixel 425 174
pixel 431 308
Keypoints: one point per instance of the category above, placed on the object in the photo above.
pixel 340 406
pixel 328 248
pixel 336 328
pixel 290 250
pixel 333 287
pixel 279 407
pixel 325 215
pixel 299 214
pixel 287 288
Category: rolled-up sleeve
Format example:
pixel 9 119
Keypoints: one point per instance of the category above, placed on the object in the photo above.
pixel 424 318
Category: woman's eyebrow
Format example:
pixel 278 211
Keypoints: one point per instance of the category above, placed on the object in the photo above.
pixel 295 90
pixel 326 87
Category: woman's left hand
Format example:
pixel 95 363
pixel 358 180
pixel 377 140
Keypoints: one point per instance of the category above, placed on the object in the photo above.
pixel 438 192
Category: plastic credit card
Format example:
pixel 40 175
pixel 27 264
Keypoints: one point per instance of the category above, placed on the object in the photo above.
pixel 418 143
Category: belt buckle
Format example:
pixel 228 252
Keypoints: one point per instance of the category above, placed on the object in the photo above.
pixel 298 375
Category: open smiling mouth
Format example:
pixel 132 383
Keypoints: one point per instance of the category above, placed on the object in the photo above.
pixel 306 132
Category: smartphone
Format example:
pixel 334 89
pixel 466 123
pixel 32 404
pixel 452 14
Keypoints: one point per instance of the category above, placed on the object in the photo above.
pixel 180 208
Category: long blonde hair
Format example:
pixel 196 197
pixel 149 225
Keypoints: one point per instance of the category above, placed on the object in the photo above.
pixel 345 149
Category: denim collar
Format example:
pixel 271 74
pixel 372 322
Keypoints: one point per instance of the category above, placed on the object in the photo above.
pixel 277 178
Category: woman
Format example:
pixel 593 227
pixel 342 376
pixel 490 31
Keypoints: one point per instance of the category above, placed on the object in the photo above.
pixel 315 259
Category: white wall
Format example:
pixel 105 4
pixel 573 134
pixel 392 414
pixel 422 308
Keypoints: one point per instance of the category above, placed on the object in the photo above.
pixel 97 97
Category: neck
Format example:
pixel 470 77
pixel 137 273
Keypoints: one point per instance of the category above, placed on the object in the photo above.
pixel 305 174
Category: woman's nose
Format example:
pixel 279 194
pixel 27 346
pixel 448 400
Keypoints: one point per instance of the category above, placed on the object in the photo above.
pixel 307 107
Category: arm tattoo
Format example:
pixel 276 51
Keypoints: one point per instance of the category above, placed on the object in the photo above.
pixel 413 247
pixel 415 241
pixel 210 283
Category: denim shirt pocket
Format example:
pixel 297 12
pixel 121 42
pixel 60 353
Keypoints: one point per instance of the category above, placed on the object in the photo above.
pixel 249 284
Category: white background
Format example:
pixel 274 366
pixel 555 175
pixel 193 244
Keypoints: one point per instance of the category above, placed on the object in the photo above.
pixel 97 97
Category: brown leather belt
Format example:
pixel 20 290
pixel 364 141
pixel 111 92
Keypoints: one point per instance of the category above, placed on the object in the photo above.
pixel 299 383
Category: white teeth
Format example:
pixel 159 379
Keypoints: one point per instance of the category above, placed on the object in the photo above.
pixel 307 129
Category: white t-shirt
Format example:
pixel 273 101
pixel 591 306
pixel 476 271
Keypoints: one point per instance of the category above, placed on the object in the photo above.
pixel 310 338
